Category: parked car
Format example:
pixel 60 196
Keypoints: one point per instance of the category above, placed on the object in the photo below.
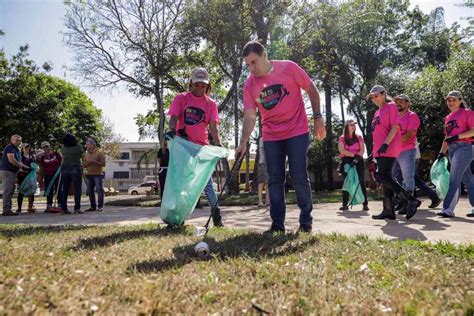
pixel 142 188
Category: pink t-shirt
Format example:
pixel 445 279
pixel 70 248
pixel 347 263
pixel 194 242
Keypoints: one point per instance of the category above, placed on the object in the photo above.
pixel 409 121
pixel 354 148
pixel 278 98
pixel 194 114
pixel 458 122
pixel 384 119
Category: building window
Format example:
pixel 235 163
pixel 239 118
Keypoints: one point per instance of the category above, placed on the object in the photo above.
pixel 121 175
pixel 125 156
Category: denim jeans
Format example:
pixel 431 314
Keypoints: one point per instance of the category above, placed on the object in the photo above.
pixel 71 174
pixel 460 156
pixel 8 181
pixel 419 183
pixel 210 193
pixel 95 181
pixel 404 168
pixel 296 149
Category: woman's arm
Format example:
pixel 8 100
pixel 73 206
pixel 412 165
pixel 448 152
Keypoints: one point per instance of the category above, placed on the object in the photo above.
pixel 344 152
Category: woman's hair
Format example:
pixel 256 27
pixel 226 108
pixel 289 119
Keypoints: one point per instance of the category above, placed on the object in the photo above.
pixel 387 97
pixel 253 47
pixel 347 137
pixel 208 89
pixel 69 140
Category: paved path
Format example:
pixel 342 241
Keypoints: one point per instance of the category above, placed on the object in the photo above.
pixel 327 219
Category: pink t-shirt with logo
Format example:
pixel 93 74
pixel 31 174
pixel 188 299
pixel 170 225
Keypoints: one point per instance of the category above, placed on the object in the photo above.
pixel 384 119
pixel 459 122
pixel 409 121
pixel 194 114
pixel 354 148
pixel 278 98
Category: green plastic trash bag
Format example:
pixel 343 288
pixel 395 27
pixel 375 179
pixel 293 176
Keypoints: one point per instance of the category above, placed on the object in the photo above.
pixel 50 186
pixel 190 168
pixel 352 185
pixel 30 184
pixel 440 176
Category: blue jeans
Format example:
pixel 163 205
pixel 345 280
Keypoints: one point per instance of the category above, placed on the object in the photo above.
pixel 71 174
pixel 404 169
pixel 419 183
pixel 95 181
pixel 210 193
pixel 460 156
pixel 296 148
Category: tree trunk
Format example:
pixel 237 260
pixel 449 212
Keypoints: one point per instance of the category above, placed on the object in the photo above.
pixel 329 138
pixel 247 169
pixel 234 185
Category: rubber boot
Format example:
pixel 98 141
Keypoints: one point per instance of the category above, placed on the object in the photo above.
pixel 388 212
pixel 411 203
pixel 216 217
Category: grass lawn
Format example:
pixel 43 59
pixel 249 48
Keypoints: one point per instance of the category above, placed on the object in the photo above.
pixel 143 269
pixel 237 200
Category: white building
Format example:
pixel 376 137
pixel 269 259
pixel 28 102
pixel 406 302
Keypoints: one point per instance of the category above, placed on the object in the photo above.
pixel 123 172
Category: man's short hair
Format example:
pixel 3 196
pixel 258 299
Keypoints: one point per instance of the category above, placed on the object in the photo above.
pixel 15 136
pixel 253 47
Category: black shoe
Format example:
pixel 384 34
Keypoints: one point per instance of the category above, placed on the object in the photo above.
pixel 274 231
pixel 18 211
pixel 445 215
pixel 9 213
pixel 411 208
pixel 388 212
pixel 90 209
pixel 470 215
pixel 366 207
pixel 305 229
pixel 216 217
pixel 402 211
pixel 435 203
pixel 67 212
pixel 343 208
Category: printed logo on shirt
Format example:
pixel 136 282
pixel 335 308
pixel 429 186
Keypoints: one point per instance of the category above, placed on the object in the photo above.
pixel 272 95
pixel 193 115
pixel 450 126
pixel 375 122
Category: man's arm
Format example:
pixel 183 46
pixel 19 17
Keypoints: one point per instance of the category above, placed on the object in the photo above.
pixel 13 161
pixel 313 95
pixel 214 133
pixel 173 122
pixel 409 134
pixel 250 117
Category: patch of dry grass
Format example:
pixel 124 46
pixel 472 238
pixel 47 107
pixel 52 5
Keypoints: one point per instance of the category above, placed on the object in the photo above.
pixel 134 269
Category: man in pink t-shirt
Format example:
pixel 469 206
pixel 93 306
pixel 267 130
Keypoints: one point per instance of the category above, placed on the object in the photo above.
pixel 274 89
pixel 405 165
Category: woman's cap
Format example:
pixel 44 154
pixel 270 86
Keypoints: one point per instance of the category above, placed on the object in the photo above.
pixel 374 90
pixel 349 122
pixel 200 75
pixel 454 94
pixel 44 144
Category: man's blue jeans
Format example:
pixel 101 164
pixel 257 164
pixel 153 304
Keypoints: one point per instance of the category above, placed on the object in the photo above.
pixel 71 174
pixel 210 193
pixel 460 156
pixel 296 149
pixel 404 168
pixel 95 181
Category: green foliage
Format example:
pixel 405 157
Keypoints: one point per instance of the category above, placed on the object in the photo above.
pixel 42 107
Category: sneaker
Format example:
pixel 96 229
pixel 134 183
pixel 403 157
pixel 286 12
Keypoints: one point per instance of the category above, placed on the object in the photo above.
pixel 274 231
pixel 100 209
pixel 18 211
pixel 31 209
pixel 435 203
pixel 305 229
pixel 9 213
pixel 366 207
pixel 90 209
pixel 445 215
pixel 78 212
pixel 343 208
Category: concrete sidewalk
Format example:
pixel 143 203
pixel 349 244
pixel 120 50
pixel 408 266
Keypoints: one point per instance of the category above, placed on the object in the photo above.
pixel 424 226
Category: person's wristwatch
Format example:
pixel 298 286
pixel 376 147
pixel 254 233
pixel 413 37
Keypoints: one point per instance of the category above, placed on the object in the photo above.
pixel 317 115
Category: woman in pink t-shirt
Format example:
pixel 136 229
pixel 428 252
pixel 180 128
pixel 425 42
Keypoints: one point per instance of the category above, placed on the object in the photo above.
pixel 192 114
pixel 458 130
pixel 386 148
pixel 351 146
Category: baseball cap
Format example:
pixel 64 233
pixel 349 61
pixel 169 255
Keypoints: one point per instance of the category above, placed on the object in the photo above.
pixel 402 97
pixel 45 143
pixel 454 94
pixel 349 122
pixel 375 89
pixel 200 75
pixel 24 145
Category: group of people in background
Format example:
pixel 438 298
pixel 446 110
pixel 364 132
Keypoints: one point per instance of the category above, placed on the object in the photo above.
pixel 57 171
pixel 395 149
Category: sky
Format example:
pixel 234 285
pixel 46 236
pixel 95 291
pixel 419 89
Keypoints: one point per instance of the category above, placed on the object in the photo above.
pixel 39 24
